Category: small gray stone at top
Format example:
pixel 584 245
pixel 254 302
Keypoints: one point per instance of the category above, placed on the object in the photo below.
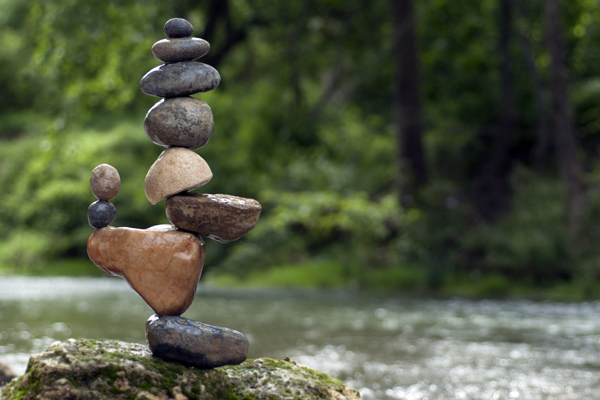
pixel 178 28
pixel 195 343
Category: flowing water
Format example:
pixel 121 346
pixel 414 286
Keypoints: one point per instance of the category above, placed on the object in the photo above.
pixel 387 347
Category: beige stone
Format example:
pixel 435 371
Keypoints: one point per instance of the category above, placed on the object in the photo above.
pixel 176 170
pixel 220 217
pixel 105 182
pixel 162 264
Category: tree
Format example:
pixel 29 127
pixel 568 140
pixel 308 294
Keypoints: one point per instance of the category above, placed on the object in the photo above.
pixel 492 188
pixel 564 125
pixel 407 101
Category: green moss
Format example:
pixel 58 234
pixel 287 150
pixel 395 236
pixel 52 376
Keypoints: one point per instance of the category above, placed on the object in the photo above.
pixel 158 375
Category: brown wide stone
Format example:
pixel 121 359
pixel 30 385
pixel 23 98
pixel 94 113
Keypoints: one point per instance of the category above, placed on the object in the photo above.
pixel 176 170
pixel 162 264
pixel 105 182
pixel 177 50
pixel 217 216
pixel 180 121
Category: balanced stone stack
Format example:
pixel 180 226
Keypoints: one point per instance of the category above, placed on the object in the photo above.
pixel 163 263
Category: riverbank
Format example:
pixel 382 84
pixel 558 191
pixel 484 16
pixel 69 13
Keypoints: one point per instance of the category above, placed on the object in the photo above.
pixel 328 275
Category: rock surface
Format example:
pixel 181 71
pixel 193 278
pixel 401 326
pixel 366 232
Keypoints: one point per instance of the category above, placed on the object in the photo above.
pixel 195 343
pixel 176 170
pixel 90 369
pixel 101 213
pixel 220 217
pixel 180 121
pixel 180 79
pixel 161 264
pixel 178 28
pixel 177 50
pixel 105 182
pixel 6 375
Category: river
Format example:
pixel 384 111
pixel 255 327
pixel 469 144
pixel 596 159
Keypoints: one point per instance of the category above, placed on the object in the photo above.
pixel 387 347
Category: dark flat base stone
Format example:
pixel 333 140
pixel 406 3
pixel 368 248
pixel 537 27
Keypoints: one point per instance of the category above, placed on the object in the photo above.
pixel 195 343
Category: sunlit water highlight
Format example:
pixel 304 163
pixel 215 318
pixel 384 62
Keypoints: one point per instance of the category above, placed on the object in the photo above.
pixel 388 348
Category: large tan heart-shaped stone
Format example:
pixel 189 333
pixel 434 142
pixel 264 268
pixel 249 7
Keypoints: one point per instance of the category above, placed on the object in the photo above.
pixel 162 264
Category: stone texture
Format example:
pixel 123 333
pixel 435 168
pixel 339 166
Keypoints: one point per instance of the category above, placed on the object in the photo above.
pixel 6 375
pixel 161 263
pixel 176 170
pixel 218 216
pixel 180 121
pixel 180 79
pixel 178 28
pixel 101 213
pixel 195 343
pixel 91 369
pixel 177 50
pixel 105 182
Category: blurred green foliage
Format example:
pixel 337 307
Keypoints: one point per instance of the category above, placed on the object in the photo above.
pixel 303 124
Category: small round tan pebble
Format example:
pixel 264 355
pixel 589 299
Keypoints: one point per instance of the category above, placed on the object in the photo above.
pixel 105 182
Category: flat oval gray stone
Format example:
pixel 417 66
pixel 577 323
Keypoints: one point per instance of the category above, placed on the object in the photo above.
pixel 195 343
pixel 178 28
pixel 220 217
pixel 180 121
pixel 180 79
pixel 177 50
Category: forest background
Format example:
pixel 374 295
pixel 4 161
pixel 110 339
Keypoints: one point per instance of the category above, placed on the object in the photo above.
pixel 447 146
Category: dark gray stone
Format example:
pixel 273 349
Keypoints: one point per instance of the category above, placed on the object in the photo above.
pixel 180 79
pixel 178 28
pixel 101 213
pixel 195 343
pixel 180 121
pixel 177 50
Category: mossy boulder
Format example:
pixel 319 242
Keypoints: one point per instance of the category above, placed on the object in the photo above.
pixel 110 369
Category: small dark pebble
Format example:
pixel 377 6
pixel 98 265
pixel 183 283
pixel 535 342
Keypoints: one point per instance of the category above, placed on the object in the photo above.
pixel 286 359
pixel 101 213
pixel 178 28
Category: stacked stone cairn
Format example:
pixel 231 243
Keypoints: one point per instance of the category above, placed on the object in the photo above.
pixel 163 263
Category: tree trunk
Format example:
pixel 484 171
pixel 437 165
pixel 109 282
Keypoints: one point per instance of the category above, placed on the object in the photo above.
pixel 407 102
pixel 541 148
pixel 564 125
pixel 491 187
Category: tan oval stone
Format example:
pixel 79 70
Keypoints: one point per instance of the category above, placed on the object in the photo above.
pixel 180 121
pixel 177 50
pixel 105 182
pixel 176 170
pixel 161 263
pixel 220 217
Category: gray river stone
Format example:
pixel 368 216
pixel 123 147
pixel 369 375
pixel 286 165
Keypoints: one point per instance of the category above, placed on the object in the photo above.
pixel 6 375
pixel 195 343
pixel 180 79
pixel 180 121
pixel 109 369
pixel 101 213
pixel 178 28
pixel 177 50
